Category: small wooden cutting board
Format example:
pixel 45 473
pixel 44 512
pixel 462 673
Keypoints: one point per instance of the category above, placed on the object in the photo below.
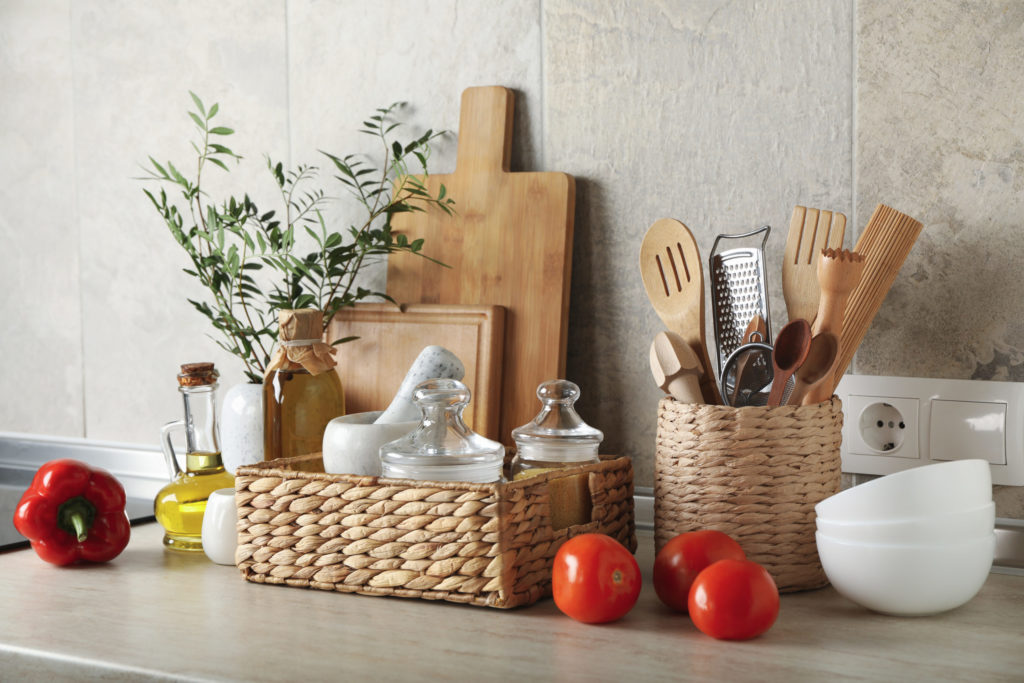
pixel 509 243
pixel 372 367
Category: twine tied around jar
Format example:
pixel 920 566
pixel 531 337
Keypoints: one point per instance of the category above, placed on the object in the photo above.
pixel 300 343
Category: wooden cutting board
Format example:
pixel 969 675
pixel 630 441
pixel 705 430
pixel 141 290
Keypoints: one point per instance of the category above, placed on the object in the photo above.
pixel 509 243
pixel 372 367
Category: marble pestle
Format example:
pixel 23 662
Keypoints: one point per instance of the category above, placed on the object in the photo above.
pixel 434 362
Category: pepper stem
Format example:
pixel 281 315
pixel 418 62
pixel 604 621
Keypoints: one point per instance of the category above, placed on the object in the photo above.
pixel 75 516
pixel 78 522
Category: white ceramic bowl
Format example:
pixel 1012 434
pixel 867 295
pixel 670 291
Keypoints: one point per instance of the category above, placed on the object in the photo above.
pixel 918 492
pixel 948 527
pixel 352 442
pixel 907 580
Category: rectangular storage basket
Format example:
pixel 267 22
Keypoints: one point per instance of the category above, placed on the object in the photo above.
pixel 755 473
pixel 480 544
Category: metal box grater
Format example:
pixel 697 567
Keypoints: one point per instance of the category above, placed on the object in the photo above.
pixel 739 290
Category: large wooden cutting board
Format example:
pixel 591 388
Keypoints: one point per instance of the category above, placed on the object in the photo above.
pixel 372 367
pixel 509 243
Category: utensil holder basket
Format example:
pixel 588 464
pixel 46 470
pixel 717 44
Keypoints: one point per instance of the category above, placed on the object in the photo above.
pixel 754 473
pixel 481 544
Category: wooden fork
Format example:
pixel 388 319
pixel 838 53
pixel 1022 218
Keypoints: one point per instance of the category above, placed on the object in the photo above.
pixel 810 231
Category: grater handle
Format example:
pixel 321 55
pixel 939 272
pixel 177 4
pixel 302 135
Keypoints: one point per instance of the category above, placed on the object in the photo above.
pixel 766 229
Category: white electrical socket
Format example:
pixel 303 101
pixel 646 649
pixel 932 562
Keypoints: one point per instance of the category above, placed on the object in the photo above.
pixel 894 423
pixel 882 425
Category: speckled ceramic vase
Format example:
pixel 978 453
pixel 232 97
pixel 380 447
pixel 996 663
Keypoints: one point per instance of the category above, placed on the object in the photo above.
pixel 241 426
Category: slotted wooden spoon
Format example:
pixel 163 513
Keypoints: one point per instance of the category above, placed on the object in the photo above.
pixel 670 267
pixel 810 231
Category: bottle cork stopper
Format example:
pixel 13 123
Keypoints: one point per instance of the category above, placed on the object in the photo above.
pixel 197 374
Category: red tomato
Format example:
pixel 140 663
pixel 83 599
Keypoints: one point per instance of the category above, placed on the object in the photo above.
pixel 684 557
pixel 734 600
pixel 595 579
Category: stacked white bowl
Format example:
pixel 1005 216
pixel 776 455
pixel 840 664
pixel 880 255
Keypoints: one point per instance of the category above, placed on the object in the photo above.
pixel 917 542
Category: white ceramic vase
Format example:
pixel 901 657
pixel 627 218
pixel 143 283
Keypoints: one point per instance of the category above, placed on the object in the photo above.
pixel 241 426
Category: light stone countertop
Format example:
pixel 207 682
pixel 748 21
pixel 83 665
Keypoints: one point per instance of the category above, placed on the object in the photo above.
pixel 156 614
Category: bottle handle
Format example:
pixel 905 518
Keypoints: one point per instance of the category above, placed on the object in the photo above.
pixel 172 462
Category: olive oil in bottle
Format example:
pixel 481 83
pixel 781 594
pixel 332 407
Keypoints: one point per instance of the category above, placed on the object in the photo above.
pixel 301 390
pixel 180 505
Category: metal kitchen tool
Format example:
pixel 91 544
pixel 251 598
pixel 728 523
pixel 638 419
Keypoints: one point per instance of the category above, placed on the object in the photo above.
pixel 747 375
pixel 739 290
pixel 755 332
pixel 674 281
pixel 810 231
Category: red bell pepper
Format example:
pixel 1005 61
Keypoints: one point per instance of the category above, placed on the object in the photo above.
pixel 74 512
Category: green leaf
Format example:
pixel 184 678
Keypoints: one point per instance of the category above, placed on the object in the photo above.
pixel 344 340
pixel 213 111
pixel 198 102
pixel 221 130
pixel 199 121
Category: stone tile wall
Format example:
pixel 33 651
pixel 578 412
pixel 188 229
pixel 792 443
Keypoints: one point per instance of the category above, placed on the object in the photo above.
pixel 721 114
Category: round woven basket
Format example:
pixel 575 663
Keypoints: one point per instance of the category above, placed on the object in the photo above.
pixel 754 473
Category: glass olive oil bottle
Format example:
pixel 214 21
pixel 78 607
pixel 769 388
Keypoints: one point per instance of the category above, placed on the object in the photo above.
pixel 180 505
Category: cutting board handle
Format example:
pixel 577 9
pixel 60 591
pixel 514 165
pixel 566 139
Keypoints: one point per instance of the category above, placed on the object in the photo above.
pixel 485 129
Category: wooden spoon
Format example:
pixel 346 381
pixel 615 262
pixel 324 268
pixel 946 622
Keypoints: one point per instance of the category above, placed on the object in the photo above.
pixel 671 270
pixel 791 348
pixel 815 370
pixel 676 368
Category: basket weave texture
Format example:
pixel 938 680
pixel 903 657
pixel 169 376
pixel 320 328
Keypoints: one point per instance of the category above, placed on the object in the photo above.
pixel 755 473
pixel 480 544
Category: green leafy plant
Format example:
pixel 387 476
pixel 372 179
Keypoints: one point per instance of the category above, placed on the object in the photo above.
pixel 229 241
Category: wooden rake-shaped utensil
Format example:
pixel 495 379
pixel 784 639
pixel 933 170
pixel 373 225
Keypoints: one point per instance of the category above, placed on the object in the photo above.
pixel 810 231
pixel 670 266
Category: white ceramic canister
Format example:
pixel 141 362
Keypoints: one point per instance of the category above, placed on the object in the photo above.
pixel 241 426
pixel 220 527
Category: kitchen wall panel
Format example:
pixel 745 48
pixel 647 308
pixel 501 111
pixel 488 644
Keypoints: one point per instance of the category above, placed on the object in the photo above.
pixel 722 115
pixel 348 58
pixel 41 341
pixel 941 136
pixel 134 64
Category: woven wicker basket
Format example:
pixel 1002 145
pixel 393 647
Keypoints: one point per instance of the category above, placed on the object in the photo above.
pixel 754 473
pixel 481 544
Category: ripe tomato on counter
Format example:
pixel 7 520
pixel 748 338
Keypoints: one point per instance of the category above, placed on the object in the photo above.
pixel 595 579
pixel 734 600
pixel 684 557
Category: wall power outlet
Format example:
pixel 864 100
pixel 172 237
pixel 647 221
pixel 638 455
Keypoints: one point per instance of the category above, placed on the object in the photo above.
pixel 895 423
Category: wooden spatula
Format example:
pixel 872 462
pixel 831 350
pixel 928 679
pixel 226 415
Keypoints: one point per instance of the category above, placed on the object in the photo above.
pixel 885 244
pixel 810 231
pixel 670 266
